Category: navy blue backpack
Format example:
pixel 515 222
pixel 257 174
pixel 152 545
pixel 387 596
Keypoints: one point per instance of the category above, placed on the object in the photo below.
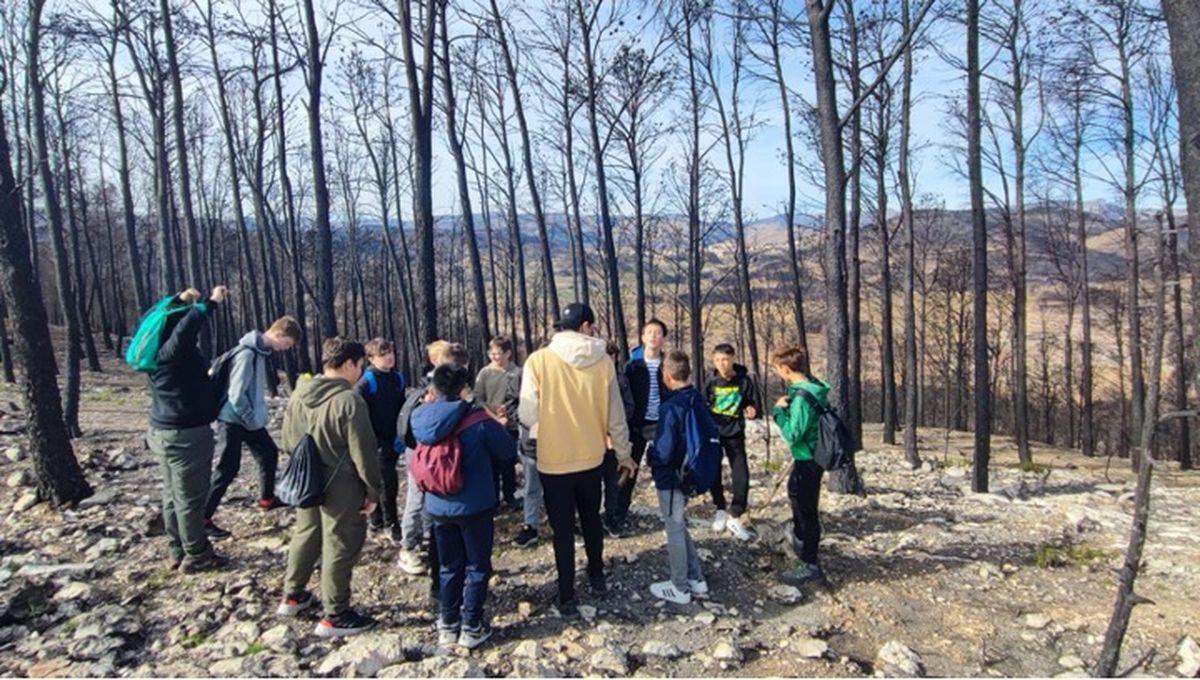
pixel 702 462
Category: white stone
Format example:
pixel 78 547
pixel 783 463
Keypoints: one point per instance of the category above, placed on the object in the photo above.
pixel 609 661
pixel 73 591
pixel 364 656
pixel 26 501
pixel 896 660
pixel 588 612
pixel 785 594
pixel 726 651
pixel 14 454
pixel 17 479
pixel 528 649
pixel 1070 662
pixel 280 639
pixel 662 649
pixel 1189 658
pixel 810 648
pixel 1037 621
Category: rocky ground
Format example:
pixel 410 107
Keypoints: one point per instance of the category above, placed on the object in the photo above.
pixel 924 577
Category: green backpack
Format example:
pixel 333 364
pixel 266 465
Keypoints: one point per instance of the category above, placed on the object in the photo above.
pixel 142 354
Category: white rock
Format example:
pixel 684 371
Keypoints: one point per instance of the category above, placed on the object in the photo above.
pixel 706 618
pixel 280 639
pixel 726 651
pixel 612 661
pixel 29 570
pixel 528 649
pixel 26 501
pixel 1070 662
pixel 74 591
pixel 786 594
pixel 102 547
pixel 662 649
pixel 364 656
pixel 810 648
pixel 14 454
pixel 17 479
pixel 1189 658
pixel 588 612
pixel 896 660
pixel 1037 621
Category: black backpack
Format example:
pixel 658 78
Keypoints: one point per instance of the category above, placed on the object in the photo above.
pixel 833 437
pixel 303 483
pixel 218 374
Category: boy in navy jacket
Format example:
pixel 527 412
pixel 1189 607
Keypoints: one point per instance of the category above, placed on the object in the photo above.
pixel 463 523
pixel 383 390
pixel 666 456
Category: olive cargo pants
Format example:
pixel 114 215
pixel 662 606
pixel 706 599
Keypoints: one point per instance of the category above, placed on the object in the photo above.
pixel 333 532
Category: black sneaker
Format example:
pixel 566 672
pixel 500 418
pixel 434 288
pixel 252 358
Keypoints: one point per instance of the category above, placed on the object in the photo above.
pixel 215 532
pixel 293 604
pixel 598 584
pixel 345 624
pixel 395 534
pixel 209 561
pixel 568 610
pixel 613 530
pixel 375 524
pixel 470 638
pixel 527 537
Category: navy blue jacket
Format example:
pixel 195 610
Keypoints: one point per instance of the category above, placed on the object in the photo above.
pixel 637 373
pixel 483 443
pixel 669 449
pixel 384 393
pixel 181 392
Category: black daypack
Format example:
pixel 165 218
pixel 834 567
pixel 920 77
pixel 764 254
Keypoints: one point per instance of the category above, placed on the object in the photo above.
pixel 833 437
pixel 303 483
pixel 218 374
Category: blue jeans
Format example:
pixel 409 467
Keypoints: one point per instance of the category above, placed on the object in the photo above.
pixel 464 546
pixel 533 492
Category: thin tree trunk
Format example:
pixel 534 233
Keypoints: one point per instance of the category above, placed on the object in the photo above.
pixel 195 272
pixel 911 375
pixel 983 397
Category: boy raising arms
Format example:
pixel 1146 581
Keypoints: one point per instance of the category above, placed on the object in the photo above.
pixel 733 397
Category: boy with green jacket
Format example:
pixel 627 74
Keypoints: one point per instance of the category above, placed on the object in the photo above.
pixel 797 420
pixel 327 407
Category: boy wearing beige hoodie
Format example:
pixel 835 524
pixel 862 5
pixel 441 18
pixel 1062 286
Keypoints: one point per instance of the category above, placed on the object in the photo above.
pixel 569 391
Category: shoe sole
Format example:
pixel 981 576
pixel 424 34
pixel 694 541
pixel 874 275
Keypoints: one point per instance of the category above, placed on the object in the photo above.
pixel 475 642
pixel 291 610
pixel 323 631
pixel 526 544
pixel 413 572
pixel 673 601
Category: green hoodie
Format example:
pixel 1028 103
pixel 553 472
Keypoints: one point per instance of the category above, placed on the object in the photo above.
pixel 798 421
pixel 336 416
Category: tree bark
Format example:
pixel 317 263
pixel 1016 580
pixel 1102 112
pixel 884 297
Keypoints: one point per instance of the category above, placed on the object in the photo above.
pixel 911 375
pixel 316 65
pixel 195 272
pixel 983 397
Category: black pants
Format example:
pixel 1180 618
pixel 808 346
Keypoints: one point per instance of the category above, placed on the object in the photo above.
pixel 804 492
pixel 229 440
pixel 506 478
pixel 739 471
pixel 386 512
pixel 610 474
pixel 566 495
pixel 639 438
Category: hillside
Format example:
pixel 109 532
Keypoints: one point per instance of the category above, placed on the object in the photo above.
pixel 1017 582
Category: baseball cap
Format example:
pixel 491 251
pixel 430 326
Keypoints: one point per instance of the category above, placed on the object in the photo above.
pixel 573 316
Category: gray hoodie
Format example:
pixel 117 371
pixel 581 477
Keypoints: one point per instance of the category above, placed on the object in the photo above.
pixel 246 402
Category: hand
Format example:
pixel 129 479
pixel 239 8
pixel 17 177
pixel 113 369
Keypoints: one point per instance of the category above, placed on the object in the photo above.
pixel 368 507
pixel 503 420
pixel 218 294
pixel 189 296
pixel 751 412
pixel 626 469
pixel 783 401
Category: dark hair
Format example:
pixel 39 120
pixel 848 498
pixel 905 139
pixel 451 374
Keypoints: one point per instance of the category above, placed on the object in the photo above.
pixel 456 354
pixel 378 347
pixel 337 352
pixel 502 343
pixel 795 358
pixel 449 380
pixel 677 365
pixel 655 321
pixel 724 348
pixel 611 349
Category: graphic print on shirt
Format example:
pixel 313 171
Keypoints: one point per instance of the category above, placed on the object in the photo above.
pixel 727 400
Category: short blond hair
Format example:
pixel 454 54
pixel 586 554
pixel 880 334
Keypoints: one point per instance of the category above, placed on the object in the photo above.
pixel 436 351
pixel 286 327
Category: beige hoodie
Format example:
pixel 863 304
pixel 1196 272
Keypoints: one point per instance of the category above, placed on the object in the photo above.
pixel 569 392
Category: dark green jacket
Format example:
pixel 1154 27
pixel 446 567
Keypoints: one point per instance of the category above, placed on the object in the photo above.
pixel 336 416
pixel 798 422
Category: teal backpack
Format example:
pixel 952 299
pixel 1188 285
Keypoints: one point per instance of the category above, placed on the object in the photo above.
pixel 142 355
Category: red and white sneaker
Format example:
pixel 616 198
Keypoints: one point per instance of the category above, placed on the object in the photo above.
pixel 345 624
pixel 295 603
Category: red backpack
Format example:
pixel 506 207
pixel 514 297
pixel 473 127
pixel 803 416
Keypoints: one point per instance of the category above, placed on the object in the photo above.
pixel 438 468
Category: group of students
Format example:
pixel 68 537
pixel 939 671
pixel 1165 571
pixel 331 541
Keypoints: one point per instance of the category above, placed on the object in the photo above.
pixel 581 425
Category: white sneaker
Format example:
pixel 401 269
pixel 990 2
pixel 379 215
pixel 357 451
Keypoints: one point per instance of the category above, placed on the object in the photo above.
pixel 665 590
pixel 411 563
pixel 720 521
pixel 699 588
pixel 739 530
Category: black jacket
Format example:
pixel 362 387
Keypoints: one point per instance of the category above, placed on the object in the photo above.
pixel 413 398
pixel 728 400
pixel 181 392
pixel 384 393
pixel 638 375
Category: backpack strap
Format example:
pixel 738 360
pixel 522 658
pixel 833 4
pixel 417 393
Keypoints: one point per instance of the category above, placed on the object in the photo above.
pixel 473 418
pixel 372 382
pixel 820 408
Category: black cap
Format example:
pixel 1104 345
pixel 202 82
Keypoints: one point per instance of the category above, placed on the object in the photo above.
pixel 573 316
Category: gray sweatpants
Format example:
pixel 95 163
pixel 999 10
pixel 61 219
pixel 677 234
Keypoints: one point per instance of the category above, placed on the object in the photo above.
pixel 414 521
pixel 681 551
pixel 185 459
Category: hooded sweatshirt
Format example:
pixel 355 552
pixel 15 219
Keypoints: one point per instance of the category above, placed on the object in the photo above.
pixel 336 416
pixel 245 401
pixel 798 422
pixel 182 396
pixel 483 444
pixel 728 399
pixel 569 391
pixel 384 393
